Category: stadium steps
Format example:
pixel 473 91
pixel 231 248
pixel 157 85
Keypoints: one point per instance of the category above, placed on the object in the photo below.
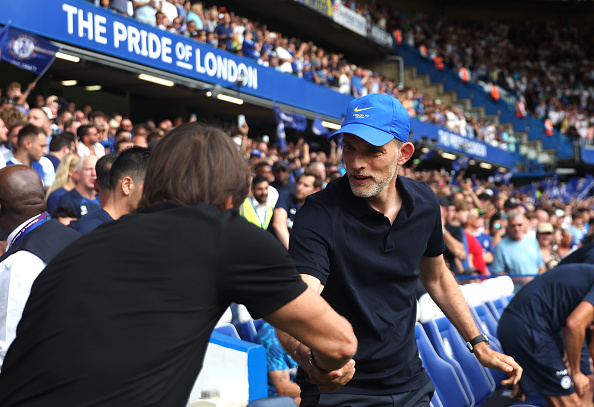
pixel 449 98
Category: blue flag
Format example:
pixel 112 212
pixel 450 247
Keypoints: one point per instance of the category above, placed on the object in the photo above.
pixel 461 163
pixel 427 156
pixel 290 120
pixel 26 51
pixel 318 129
pixel 3 36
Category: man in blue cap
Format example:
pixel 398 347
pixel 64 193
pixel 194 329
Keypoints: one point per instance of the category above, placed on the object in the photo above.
pixel 363 243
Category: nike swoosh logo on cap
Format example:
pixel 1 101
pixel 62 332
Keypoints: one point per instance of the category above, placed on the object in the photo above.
pixel 360 110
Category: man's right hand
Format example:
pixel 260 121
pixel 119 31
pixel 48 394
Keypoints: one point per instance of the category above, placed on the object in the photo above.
pixel 331 381
pixel 581 383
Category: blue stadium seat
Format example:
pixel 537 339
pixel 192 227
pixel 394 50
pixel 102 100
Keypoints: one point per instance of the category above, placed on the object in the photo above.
pixel 450 346
pixel 227 329
pixel 485 320
pixel 449 390
pixel 249 329
pixel 496 307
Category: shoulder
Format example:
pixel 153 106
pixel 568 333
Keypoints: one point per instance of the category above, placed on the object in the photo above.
pixel 417 189
pixel 70 196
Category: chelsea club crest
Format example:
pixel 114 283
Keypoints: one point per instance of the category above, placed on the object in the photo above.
pixel 23 47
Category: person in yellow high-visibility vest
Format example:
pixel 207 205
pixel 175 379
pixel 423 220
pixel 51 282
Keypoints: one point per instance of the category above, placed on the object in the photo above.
pixel 254 208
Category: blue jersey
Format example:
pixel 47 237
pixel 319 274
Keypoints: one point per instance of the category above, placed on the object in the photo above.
pixel 73 199
pixel 276 357
pixel 91 221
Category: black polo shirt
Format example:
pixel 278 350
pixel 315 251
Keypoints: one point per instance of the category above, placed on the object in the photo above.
pixel 369 269
pixel 123 316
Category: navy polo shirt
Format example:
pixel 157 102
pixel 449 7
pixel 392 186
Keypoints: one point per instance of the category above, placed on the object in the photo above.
pixel 91 221
pixel 550 298
pixel 369 269
pixel 584 254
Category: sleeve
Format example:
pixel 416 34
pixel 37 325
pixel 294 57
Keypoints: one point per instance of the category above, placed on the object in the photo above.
pixel 254 266
pixel 498 265
pixel 52 202
pixel 436 244
pixel 311 241
pixel 539 259
pixel 17 274
pixel 284 201
pixel 49 173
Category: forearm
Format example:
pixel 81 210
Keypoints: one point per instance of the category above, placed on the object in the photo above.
pixel 281 379
pixel 455 246
pixel 282 233
pixel 299 352
pixel 573 346
pixel 447 295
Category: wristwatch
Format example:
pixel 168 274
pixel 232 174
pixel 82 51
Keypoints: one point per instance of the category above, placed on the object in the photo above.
pixel 474 341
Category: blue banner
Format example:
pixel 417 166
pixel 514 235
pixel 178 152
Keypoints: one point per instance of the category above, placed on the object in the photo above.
pixel 81 24
pixel 457 144
pixel 26 51
pixel 587 154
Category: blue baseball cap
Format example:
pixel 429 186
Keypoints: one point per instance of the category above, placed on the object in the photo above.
pixel 377 119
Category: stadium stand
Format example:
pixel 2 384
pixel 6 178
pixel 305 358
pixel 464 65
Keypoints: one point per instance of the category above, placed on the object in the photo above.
pixel 306 78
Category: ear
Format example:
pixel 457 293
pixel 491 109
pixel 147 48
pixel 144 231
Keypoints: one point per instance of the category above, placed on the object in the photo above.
pixel 27 143
pixel 406 151
pixel 127 186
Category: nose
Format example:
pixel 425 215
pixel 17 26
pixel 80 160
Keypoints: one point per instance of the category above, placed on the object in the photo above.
pixel 358 161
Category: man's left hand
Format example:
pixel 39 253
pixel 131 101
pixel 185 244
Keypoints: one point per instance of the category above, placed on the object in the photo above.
pixel 495 360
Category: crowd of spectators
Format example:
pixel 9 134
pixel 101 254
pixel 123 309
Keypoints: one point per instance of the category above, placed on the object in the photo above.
pixel 222 28
pixel 545 66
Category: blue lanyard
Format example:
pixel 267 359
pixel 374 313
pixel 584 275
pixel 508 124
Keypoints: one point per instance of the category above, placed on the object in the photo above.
pixel 32 224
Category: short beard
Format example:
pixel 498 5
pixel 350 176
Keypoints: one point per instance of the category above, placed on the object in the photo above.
pixel 377 187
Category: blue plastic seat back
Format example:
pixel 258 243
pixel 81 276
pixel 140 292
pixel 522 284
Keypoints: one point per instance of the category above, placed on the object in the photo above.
pixel 228 329
pixel 247 331
pixel 496 307
pixel 487 323
pixel 449 390
pixel 480 379
pixel 486 320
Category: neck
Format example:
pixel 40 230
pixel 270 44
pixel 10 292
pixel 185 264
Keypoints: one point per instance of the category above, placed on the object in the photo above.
pixel 23 157
pixel 115 209
pixel 388 201
pixel 70 184
pixel 86 193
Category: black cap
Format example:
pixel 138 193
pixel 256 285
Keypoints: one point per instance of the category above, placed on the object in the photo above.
pixel 279 164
